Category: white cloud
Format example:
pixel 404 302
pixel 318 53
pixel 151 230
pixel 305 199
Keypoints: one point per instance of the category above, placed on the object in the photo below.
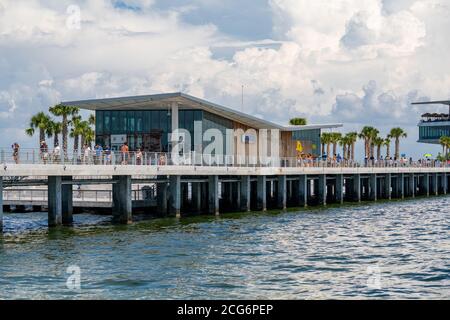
pixel 347 60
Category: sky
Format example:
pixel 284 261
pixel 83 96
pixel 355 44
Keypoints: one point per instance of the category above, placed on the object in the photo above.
pixel 356 62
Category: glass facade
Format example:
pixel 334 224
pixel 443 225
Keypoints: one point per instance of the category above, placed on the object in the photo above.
pixel 312 136
pixel 433 132
pixel 212 121
pixel 145 129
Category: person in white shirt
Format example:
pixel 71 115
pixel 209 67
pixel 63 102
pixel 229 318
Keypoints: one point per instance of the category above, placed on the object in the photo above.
pixel 86 153
pixel 57 153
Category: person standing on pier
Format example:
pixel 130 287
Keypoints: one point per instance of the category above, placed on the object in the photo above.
pixel 57 153
pixel 44 151
pixel 16 148
pixel 86 153
pixel 107 155
pixel 125 152
pixel 139 157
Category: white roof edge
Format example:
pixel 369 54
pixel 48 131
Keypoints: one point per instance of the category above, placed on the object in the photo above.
pixel 89 104
pixel 313 126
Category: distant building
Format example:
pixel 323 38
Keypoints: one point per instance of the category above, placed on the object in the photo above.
pixel 433 126
pixel 145 122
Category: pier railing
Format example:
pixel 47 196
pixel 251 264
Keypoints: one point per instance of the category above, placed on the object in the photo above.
pixel 97 157
pixel 36 195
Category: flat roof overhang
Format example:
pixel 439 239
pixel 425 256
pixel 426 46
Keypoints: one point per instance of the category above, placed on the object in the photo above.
pixel 446 102
pixel 185 101
pixel 429 141
pixel 434 124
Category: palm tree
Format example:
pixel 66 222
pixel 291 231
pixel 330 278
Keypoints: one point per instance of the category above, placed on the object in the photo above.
pixel 335 138
pixel 54 130
pixel 352 137
pixel 326 140
pixel 373 137
pixel 75 132
pixel 91 119
pixel 445 143
pixel 63 111
pixel 397 133
pixel 298 122
pixel 89 136
pixel 368 134
pixel 346 144
pixel 365 135
pixel 378 142
pixel 41 122
pixel 387 143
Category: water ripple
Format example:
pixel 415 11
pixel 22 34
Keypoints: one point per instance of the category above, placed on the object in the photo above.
pixel 390 250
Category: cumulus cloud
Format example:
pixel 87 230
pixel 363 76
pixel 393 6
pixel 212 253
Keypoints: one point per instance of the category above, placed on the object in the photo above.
pixel 355 61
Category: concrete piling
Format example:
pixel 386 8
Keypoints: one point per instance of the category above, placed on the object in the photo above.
pixel 400 186
pixel 175 195
pixel 213 195
pixel 54 201
pixel 444 183
pixel 245 193
pixel 357 187
pixel 322 190
pixel 282 192
pixel 67 201
pixel 387 186
pixel 373 187
pixel 122 200
pixel 303 190
pixel 339 190
pixel 161 198
pixel 411 185
pixel 434 184
pixel 261 193
pixel 197 196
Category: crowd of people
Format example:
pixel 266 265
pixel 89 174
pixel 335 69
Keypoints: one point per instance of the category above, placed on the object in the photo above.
pixel 105 155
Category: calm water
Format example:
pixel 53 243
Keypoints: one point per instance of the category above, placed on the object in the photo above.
pixel 385 250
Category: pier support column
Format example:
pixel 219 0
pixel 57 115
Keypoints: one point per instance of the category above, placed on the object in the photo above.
pixel 237 195
pixel 1 204
pixel 175 196
pixel 400 186
pixel 434 184
pixel 426 184
pixel 197 196
pixel 444 183
pixel 387 186
pixel 245 186
pixel 411 185
pixel 67 201
pixel 161 198
pixel 373 187
pixel 282 192
pixel 54 201
pixel 322 190
pixel 339 190
pixel 303 190
pixel 213 195
pixel 122 200
pixel 357 187
pixel 261 193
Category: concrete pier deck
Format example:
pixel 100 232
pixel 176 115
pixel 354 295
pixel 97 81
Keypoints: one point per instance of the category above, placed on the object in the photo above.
pixel 214 189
